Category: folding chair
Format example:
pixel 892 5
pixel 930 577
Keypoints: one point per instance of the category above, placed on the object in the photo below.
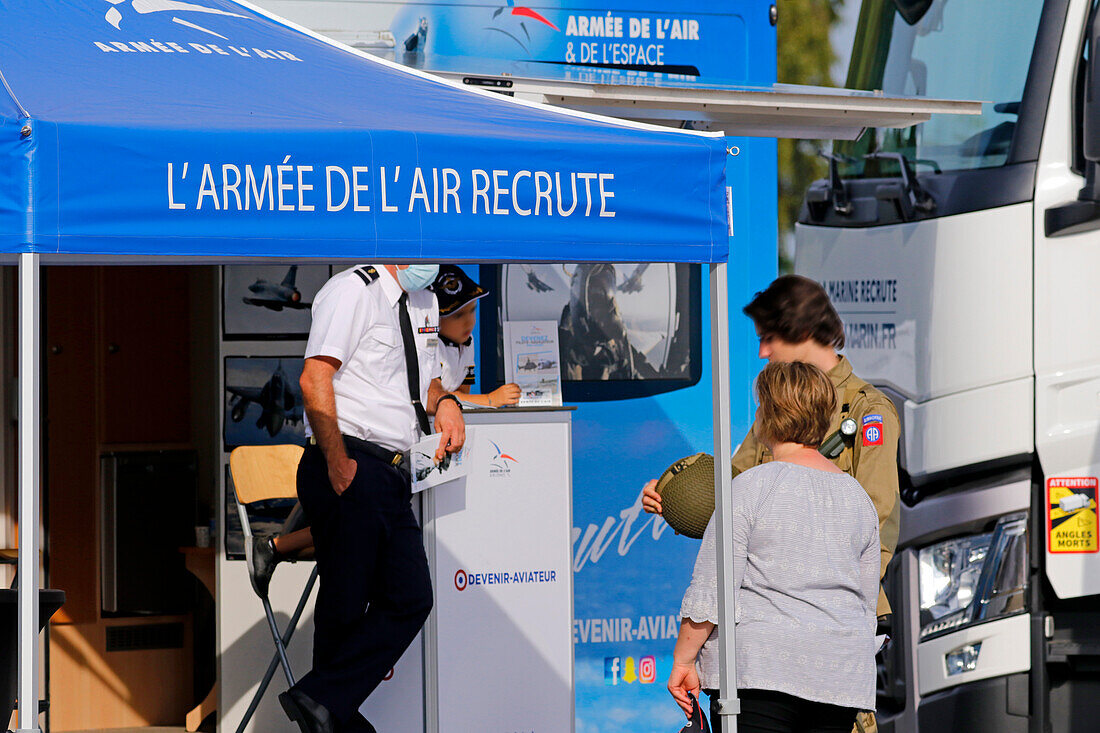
pixel 263 473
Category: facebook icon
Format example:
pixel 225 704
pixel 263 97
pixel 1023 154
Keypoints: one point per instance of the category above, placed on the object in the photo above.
pixel 611 669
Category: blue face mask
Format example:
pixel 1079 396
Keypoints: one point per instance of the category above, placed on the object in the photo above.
pixel 417 277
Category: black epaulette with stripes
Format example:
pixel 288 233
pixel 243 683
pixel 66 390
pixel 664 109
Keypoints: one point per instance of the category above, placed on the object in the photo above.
pixel 367 274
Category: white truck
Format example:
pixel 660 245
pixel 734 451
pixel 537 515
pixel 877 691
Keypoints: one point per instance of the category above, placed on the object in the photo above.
pixel 964 257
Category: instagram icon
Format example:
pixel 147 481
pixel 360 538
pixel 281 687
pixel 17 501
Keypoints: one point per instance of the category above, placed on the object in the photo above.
pixel 647 670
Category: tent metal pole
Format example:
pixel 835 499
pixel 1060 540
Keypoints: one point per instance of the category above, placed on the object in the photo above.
pixel 29 464
pixel 728 704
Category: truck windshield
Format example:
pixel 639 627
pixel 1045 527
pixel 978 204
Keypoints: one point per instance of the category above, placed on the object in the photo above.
pixel 950 49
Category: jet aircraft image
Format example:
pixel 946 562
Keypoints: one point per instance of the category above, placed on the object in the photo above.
pixel 276 296
pixel 429 465
pixel 278 403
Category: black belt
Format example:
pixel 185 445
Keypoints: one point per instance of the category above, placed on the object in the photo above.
pixel 393 458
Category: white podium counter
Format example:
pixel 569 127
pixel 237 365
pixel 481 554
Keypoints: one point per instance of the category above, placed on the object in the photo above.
pixel 497 652
pixel 499 644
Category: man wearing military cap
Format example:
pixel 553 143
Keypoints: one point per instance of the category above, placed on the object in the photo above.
pixel 458 294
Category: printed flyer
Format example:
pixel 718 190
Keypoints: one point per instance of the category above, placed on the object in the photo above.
pixel 533 361
pixel 426 473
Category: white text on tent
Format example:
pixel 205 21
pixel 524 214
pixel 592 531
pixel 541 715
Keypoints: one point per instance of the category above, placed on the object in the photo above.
pixel 209 49
pixel 297 187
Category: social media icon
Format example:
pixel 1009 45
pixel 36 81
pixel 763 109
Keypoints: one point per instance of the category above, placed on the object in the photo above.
pixel 612 668
pixel 647 670
pixel 628 671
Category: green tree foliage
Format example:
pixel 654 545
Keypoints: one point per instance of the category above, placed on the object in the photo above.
pixel 805 57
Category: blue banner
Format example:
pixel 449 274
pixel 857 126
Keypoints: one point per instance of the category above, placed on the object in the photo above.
pixel 630 569
pixel 614 41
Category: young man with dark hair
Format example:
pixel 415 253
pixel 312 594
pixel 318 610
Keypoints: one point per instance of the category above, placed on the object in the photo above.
pixel 796 309
pixel 796 322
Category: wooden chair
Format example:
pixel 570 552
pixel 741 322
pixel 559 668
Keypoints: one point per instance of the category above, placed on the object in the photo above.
pixel 263 473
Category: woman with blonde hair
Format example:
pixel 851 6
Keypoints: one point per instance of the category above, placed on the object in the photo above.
pixel 805 576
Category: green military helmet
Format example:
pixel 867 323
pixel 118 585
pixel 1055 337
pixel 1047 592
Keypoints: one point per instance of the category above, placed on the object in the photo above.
pixel 687 494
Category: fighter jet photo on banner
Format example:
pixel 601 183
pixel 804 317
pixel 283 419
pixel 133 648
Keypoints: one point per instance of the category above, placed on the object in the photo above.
pixel 269 301
pixel 263 403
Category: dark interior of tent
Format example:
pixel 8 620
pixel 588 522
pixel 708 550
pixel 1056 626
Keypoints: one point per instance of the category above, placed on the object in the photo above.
pixel 130 456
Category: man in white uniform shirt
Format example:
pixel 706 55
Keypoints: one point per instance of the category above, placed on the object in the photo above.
pixel 370 377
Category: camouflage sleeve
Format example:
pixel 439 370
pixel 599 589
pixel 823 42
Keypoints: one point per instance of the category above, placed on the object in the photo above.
pixel 748 453
pixel 875 466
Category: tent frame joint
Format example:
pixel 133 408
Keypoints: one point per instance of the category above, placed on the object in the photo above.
pixel 729 706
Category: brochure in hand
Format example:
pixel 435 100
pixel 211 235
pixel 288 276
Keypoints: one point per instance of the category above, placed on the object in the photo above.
pixel 426 473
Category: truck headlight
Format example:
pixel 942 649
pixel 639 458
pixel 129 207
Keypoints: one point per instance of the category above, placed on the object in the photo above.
pixel 963 659
pixel 972 579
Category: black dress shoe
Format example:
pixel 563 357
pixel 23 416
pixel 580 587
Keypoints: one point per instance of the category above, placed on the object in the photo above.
pixel 310 715
pixel 262 564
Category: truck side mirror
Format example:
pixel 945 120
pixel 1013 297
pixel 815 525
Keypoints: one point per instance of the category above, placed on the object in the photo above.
pixel 1083 214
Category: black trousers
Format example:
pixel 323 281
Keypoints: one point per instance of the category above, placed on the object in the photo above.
pixel 375 592
pixel 768 711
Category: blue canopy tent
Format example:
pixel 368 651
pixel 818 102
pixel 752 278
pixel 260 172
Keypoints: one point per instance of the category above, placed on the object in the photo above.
pixel 127 130
pixel 208 131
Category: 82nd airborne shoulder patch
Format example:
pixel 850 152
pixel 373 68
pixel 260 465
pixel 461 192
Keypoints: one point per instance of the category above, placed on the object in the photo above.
pixel 872 430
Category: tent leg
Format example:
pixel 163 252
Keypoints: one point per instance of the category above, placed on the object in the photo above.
pixel 29 465
pixel 728 705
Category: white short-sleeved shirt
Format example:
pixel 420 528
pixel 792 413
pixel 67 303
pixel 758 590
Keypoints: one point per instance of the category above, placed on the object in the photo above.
pixel 457 361
pixel 358 324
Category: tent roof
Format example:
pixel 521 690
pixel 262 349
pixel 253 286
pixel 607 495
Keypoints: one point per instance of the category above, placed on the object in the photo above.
pixel 208 128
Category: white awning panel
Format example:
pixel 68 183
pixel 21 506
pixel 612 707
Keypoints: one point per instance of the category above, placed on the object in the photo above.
pixel 779 111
